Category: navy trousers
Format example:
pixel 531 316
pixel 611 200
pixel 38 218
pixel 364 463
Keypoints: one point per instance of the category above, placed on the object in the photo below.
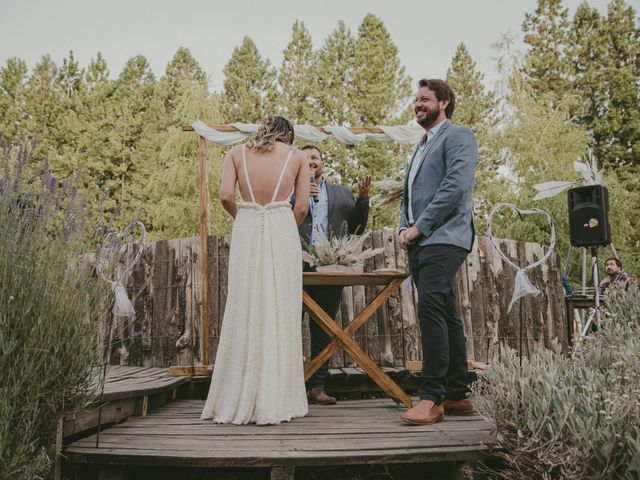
pixel 328 297
pixel 444 364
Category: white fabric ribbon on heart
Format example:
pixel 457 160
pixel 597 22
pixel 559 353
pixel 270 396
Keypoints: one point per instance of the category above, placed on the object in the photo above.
pixel 523 285
pixel 122 306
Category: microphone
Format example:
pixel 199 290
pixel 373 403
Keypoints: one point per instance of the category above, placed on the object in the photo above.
pixel 312 179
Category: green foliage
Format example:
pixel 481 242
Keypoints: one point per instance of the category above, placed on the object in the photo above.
pixel 537 142
pixel 562 418
pixel 50 305
pixel 249 89
pixel 595 61
pixel 298 78
pixel 181 67
pixel 474 105
pixel 12 97
pixel 576 88
pixel 335 74
pixel 547 65
pixel 379 94
pixel 174 183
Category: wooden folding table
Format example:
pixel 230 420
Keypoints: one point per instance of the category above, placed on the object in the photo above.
pixel 342 338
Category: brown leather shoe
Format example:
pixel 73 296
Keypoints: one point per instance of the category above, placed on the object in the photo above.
pixel 317 396
pixel 424 413
pixel 458 407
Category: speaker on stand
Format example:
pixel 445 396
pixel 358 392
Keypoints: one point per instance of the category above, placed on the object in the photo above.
pixel 589 216
pixel 589 228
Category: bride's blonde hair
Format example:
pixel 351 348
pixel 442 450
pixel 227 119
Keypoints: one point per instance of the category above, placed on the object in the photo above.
pixel 272 129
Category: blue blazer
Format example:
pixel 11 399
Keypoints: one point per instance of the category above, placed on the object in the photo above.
pixel 441 193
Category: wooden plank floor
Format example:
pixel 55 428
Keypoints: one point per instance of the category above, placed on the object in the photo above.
pixel 129 382
pixel 352 432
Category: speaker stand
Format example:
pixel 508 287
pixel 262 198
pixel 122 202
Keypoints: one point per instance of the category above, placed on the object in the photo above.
pixel 594 314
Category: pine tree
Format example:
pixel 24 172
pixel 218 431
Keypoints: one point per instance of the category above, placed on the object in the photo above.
pixel 181 67
pixel 42 105
pixel 70 76
pixel 97 74
pixel 473 102
pixel 133 91
pixel 66 133
pixel 381 89
pixel 13 78
pixel 335 76
pixel 298 78
pixel 249 89
pixel 547 66
pixel 616 122
pixel 380 94
pixel 172 209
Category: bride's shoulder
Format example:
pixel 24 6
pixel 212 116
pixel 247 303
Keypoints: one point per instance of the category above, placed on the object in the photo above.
pixel 236 149
pixel 298 154
pixel 235 152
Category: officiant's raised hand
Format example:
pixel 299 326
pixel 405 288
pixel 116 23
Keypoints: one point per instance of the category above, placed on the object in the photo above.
pixel 364 185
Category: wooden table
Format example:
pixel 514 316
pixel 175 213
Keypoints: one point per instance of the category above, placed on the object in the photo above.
pixel 342 338
pixel 572 302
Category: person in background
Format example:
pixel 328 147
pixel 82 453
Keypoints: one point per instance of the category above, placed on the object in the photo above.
pixel 615 275
pixel 332 212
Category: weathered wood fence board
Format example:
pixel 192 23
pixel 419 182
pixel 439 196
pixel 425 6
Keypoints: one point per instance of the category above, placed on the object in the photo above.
pixel 165 290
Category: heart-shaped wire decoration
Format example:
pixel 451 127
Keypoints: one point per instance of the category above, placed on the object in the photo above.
pixel 111 246
pixel 523 285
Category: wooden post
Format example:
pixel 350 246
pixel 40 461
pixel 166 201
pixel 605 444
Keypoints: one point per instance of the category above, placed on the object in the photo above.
pixel 204 256
pixel 283 472
pixel 57 471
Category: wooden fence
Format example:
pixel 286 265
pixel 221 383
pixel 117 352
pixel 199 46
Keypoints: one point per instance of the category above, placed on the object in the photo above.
pixel 164 288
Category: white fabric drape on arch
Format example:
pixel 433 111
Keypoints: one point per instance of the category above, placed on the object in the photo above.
pixel 403 134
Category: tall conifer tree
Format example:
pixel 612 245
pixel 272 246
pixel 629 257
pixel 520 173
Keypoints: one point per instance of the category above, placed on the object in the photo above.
pixel 249 88
pixel 297 78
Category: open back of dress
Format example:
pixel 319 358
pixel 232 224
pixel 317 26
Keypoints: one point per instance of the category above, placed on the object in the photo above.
pixel 258 374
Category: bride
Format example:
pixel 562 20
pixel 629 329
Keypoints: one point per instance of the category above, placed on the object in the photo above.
pixel 258 373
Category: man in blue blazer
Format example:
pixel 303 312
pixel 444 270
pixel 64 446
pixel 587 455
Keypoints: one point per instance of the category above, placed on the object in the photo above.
pixel 436 228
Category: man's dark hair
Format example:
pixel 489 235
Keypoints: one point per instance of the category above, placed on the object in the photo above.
pixel 443 92
pixel 617 260
pixel 309 147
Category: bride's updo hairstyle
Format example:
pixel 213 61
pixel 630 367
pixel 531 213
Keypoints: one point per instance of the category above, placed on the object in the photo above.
pixel 272 129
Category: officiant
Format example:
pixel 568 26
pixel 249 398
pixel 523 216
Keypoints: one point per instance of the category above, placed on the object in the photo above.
pixel 333 211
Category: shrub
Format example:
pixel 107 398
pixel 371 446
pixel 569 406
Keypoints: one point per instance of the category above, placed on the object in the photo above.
pixel 563 418
pixel 48 312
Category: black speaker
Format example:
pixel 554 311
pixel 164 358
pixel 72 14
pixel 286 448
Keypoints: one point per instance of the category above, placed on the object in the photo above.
pixel 589 216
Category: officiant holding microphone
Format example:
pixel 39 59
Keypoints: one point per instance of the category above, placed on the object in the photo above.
pixel 332 212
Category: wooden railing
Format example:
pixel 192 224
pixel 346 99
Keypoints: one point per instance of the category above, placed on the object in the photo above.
pixel 164 288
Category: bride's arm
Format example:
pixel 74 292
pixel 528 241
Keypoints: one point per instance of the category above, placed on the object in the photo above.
pixel 303 187
pixel 228 185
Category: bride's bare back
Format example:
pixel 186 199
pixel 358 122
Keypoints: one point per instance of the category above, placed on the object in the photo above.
pixel 264 170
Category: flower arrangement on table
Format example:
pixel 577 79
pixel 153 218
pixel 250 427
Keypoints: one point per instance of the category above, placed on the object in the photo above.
pixel 342 251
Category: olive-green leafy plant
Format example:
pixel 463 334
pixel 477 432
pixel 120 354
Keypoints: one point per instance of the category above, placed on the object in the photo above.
pixel 571 418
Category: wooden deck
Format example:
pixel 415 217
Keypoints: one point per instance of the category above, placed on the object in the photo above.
pixel 128 391
pixel 350 433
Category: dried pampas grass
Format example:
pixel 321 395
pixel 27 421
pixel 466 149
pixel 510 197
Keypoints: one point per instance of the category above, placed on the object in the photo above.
pixel 391 191
pixel 345 250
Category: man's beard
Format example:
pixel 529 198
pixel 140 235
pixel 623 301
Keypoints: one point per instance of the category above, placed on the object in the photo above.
pixel 431 116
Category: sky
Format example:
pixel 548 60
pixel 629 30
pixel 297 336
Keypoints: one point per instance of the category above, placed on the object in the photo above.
pixel 426 32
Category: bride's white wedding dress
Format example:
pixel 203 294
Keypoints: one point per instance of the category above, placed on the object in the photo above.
pixel 258 374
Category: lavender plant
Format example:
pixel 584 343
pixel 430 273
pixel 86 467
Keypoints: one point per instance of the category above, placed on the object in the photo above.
pixel 560 418
pixel 49 311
